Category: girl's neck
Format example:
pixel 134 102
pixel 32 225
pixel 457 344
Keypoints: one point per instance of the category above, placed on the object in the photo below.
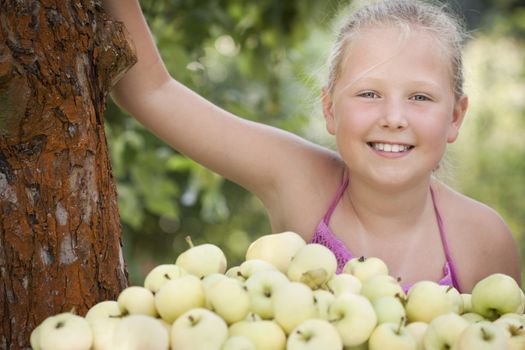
pixel 376 207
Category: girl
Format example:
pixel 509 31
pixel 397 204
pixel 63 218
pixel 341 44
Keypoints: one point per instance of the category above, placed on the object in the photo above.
pixel 393 100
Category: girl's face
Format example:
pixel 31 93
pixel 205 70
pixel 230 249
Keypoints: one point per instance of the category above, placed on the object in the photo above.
pixel 393 108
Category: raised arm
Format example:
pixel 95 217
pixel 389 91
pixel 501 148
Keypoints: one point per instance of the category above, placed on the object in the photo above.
pixel 258 157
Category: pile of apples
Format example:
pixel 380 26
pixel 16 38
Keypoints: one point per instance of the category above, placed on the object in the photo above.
pixel 287 295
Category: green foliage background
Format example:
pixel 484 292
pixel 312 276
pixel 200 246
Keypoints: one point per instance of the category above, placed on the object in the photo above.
pixel 264 61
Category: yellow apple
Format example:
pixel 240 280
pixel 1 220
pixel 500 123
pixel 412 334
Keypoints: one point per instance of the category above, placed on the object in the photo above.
pixel 178 296
pixel 229 299
pixel 444 331
pixel 65 331
pixel 427 300
pixel 314 334
pixel 482 336
pixel 202 260
pixel 293 303
pixel 313 264
pixel 364 268
pixel 278 249
pixel 381 285
pixel 391 336
pixel 389 309
pixel 322 300
pixel 514 332
pixel 265 334
pixel 138 332
pixel 417 329
pixel 343 282
pixel 354 318
pixel 103 309
pixel 238 342
pixel 198 329
pixel 496 295
pixel 137 300
pixel 161 274
pixel 261 286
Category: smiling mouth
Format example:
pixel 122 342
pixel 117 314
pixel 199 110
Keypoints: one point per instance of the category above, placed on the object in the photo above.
pixel 390 147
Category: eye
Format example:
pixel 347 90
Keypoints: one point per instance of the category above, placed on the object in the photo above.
pixel 368 94
pixel 420 97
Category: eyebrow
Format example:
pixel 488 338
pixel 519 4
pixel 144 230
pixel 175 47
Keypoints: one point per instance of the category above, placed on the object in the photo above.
pixel 424 83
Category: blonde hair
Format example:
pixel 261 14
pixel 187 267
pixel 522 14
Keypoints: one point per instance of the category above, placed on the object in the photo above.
pixel 437 19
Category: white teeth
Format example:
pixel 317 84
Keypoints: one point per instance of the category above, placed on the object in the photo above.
pixel 388 147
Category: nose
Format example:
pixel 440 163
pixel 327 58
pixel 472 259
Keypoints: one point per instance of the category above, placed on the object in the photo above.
pixel 394 116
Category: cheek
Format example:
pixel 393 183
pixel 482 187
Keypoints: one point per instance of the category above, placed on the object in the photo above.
pixel 353 117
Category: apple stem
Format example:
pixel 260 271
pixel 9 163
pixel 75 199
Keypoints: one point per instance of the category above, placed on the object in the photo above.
pixel 401 324
pixel 189 241
pixel 515 331
pixel 361 258
pixel 402 299
pixel 486 335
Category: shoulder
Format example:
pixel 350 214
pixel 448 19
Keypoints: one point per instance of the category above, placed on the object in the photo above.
pixel 481 243
pixel 305 195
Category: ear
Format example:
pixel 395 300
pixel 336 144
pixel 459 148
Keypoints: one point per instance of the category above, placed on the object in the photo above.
pixel 458 116
pixel 328 111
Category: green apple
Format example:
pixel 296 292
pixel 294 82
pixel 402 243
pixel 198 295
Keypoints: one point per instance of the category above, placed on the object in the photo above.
pixel 261 286
pixel 211 279
pixel 278 249
pixel 178 296
pixel 137 300
pixel 322 300
pixel 521 308
pixel 381 285
pixel 444 331
pixel 235 272
pixel 198 329
pixel 103 309
pixel 467 302
pixel 229 299
pixel 293 303
pixel 363 346
pixel 238 342
pixel 354 318
pixel 391 336
pixel 202 260
pixel 65 331
pixel 265 334
pixel 103 318
pixel 34 338
pixel 249 267
pixel 313 264
pixel 314 334
pixel 364 268
pixel 482 336
pixel 161 274
pixel 103 330
pixel 343 282
pixel 389 309
pixel 518 316
pixel 514 332
pixel 473 317
pixel 138 331
pixel 455 297
pixel 496 295
pixel 417 329
pixel 427 300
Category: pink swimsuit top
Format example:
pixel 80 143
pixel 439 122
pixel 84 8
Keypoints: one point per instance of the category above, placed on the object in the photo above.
pixel 323 235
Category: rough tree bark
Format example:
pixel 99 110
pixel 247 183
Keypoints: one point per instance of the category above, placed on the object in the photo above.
pixel 60 245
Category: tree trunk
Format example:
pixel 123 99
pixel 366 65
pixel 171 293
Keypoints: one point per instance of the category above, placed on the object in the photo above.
pixel 60 244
